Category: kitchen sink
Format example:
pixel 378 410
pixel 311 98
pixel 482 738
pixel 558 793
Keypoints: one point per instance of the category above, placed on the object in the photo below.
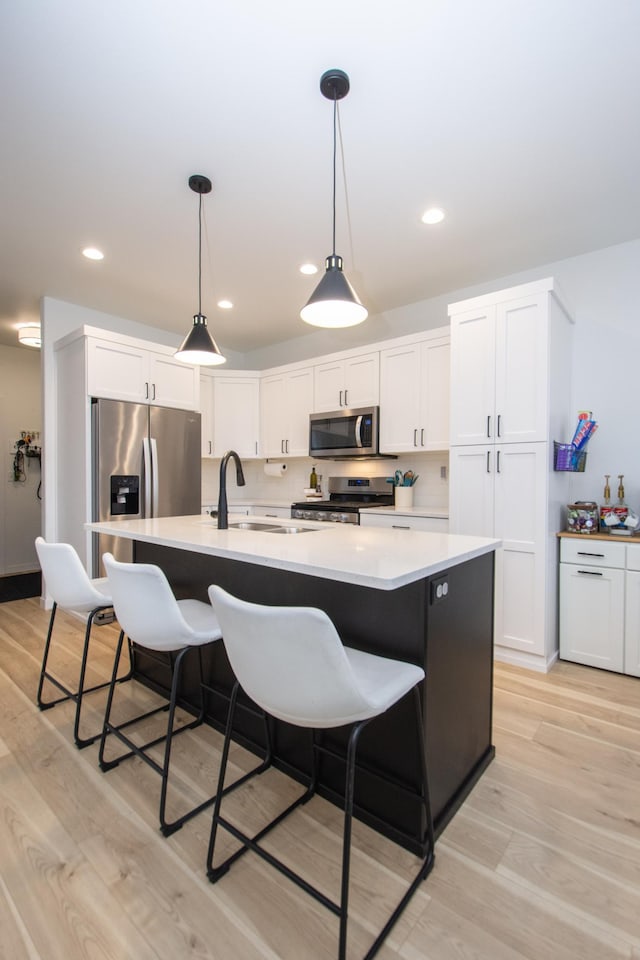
pixel 270 527
pixel 294 530
pixel 253 525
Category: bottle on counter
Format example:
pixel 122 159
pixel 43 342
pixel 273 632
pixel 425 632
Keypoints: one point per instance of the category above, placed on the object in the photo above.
pixel 621 509
pixel 605 507
pixel 313 479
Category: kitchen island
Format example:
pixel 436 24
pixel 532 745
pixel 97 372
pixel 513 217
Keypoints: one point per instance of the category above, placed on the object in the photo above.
pixel 422 597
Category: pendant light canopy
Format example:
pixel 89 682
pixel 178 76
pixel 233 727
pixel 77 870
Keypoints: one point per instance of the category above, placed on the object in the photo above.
pixel 199 347
pixel 334 302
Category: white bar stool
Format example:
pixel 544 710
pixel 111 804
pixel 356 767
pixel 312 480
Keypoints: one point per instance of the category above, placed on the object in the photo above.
pixel 71 589
pixel 151 617
pixel 292 663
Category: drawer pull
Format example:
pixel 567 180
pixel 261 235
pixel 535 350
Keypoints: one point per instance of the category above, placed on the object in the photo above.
pixel 583 553
pixel 592 573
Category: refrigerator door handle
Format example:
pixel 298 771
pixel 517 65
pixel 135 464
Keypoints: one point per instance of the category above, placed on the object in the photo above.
pixel 146 459
pixel 155 471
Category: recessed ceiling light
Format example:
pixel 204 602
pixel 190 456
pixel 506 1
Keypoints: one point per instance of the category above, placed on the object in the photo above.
pixel 225 304
pixel 433 215
pixel 92 253
pixel 30 335
pixel 308 268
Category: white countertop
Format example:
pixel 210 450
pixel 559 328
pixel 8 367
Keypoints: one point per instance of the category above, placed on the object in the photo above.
pixel 367 556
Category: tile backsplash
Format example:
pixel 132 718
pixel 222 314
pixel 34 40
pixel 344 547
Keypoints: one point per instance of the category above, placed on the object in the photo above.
pixel 431 490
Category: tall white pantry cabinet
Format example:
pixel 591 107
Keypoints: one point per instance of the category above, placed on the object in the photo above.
pixel 510 399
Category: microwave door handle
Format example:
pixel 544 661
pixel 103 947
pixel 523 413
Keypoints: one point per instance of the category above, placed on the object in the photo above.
pixel 359 430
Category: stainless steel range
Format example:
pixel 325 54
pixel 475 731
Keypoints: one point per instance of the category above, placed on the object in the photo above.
pixel 347 497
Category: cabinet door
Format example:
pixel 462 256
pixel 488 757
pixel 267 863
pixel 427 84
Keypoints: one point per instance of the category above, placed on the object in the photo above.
pixel 632 624
pixel 236 416
pixel 521 404
pixel 435 362
pixel 328 386
pixel 273 415
pixel 519 521
pixel 362 381
pixel 471 483
pixel 206 413
pixel 299 399
pixel 592 615
pixel 400 399
pixel 173 383
pixel 473 376
pixel 117 371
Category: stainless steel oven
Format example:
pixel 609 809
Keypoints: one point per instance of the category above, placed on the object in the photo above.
pixel 347 497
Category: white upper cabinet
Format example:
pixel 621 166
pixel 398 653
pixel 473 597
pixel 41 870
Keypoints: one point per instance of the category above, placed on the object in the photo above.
pixel 500 367
pixel 354 382
pixel 236 413
pixel 286 400
pixel 123 370
pixel 414 396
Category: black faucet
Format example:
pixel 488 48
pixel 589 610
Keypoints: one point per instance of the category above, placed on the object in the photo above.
pixel 223 511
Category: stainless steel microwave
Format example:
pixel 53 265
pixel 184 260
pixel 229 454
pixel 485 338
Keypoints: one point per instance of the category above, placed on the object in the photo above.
pixel 344 433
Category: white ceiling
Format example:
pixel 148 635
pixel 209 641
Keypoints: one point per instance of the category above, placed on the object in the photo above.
pixel 520 118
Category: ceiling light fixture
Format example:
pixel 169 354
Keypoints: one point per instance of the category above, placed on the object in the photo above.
pixel 92 253
pixel 334 302
pixel 433 215
pixel 30 335
pixel 198 346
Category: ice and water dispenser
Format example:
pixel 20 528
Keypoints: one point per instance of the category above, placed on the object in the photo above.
pixel 125 495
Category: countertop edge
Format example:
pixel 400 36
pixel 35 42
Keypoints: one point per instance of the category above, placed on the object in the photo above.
pixel 469 549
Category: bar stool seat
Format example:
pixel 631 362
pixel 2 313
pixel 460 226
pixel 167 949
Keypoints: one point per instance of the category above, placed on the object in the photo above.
pixel 152 618
pixel 292 663
pixel 71 589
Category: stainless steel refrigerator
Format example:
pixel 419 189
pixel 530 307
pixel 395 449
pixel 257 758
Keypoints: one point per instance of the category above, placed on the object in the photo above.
pixel 145 463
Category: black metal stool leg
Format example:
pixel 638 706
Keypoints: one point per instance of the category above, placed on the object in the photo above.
pixel 107 713
pixel 346 838
pixel 46 704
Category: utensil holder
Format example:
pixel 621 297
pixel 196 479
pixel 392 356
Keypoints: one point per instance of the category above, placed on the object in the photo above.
pixel 404 496
pixel 567 458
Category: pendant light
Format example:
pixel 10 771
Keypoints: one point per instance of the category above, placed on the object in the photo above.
pixel 334 302
pixel 199 347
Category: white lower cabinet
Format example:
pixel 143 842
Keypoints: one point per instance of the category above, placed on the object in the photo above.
pixel 600 604
pixel 632 623
pixel 403 522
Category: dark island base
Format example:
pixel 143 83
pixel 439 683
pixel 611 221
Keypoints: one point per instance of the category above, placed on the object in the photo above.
pixel 450 637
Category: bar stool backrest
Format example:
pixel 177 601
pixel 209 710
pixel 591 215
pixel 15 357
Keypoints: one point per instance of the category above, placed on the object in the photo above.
pixel 66 579
pixel 145 605
pixel 290 661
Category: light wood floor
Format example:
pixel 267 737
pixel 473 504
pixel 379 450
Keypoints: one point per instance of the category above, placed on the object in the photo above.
pixel 542 861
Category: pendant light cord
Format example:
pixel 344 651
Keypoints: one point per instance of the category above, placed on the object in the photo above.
pixel 335 113
pixel 200 256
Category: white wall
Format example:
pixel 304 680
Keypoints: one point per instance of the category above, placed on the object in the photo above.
pixel 20 508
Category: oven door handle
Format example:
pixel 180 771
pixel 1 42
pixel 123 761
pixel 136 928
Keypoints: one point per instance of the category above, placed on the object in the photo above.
pixel 359 430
